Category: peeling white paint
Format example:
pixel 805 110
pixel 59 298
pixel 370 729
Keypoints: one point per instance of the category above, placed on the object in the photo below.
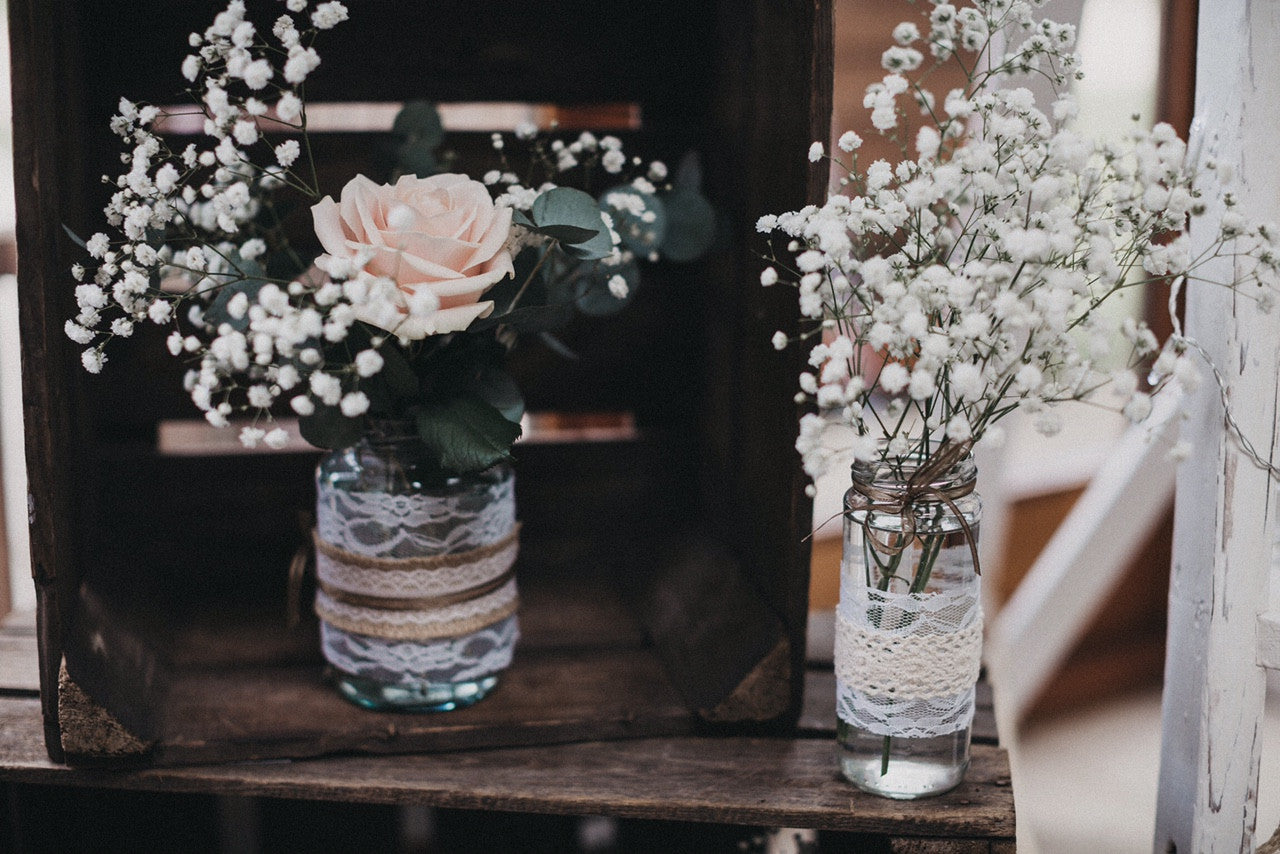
pixel 1224 539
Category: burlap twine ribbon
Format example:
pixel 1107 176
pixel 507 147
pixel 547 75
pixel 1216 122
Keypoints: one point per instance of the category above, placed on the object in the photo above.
pixel 901 499
pixel 413 617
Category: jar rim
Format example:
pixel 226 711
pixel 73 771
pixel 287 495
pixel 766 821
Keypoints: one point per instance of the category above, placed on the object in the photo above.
pixel 895 473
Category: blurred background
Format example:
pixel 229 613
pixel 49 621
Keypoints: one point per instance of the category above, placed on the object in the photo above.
pixel 1086 748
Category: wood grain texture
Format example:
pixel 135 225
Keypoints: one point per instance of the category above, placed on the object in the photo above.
pixel 19 661
pixel 45 151
pixel 239 684
pixel 736 780
pixel 1225 522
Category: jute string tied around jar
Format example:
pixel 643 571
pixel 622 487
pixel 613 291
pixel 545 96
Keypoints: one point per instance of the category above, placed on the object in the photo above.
pixel 901 500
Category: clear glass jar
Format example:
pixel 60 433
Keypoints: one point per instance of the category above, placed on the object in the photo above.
pixel 909 626
pixel 384 505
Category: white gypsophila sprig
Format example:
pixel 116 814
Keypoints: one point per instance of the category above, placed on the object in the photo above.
pixel 190 226
pixel 964 281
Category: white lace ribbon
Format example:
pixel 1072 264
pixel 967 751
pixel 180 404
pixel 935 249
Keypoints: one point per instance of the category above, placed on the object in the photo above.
pixel 470 657
pixel 906 663
pixel 406 547
pixel 379 524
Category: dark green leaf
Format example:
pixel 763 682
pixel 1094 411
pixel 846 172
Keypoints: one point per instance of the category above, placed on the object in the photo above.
pixel 599 246
pixel 496 387
pixel 466 433
pixel 328 428
pixel 402 382
pixel 567 206
pixel 529 318
pixel 691 226
pixel 417 157
pixel 568 234
pixel 419 120
pixel 519 217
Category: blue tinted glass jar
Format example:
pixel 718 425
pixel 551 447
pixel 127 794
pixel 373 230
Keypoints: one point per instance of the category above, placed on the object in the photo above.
pixel 416 591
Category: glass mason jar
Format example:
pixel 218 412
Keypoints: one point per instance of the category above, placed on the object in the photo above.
pixel 416 594
pixel 908 626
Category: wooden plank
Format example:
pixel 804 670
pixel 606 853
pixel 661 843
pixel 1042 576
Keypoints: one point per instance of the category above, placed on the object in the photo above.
pixel 543 698
pixel 1226 524
pixel 739 780
pixel 908 845
pixel 712 630
pixel 45 153
pixel 19 660
pixel 236 684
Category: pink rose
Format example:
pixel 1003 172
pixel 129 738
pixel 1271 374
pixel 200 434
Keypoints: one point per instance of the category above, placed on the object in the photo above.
pixel 440 239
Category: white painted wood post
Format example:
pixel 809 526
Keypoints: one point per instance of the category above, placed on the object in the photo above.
pixel 1225 520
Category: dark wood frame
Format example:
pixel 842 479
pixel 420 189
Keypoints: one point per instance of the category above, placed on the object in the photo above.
pixel 722 597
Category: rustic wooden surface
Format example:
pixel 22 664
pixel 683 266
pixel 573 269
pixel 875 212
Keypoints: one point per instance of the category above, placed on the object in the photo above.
pixel 19 659
pixel 44 151
pixel 711 629
pixel 242 686
pixel 738 780
pixel 1225 521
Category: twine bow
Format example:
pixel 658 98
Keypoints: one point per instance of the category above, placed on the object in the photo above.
pixel 901 499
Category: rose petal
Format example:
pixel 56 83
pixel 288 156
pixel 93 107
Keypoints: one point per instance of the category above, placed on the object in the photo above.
pixel 328 226
pixel 443 321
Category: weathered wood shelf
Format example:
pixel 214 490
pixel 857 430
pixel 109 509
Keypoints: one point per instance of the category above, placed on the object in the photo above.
pixel 736 780
pixel 732 780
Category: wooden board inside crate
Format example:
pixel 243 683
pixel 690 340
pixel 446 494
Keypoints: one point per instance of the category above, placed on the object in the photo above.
pixel 229 686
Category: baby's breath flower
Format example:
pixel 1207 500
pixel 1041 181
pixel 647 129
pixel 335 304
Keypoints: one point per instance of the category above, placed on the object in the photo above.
pixel 354 404
pixel 1009 230
pixel 368 362
pixel 849 141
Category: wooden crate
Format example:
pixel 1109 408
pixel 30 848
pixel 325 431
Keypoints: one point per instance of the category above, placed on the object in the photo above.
pixel 664 577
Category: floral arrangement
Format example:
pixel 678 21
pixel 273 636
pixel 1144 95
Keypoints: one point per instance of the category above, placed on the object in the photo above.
pixel 943 292
pixel 421 285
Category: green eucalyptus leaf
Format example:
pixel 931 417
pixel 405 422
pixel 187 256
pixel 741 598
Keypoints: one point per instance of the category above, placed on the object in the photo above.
pixel 495 387
pixel 600 246
pixel 567 206
pixel 568 234
pixel 328 428
pixel 593 294
pixel 417 157
pixel 691 226
pixel 465 433
pixel 401 381
pixel 419 120
pixel 641 231
pixel 519 217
